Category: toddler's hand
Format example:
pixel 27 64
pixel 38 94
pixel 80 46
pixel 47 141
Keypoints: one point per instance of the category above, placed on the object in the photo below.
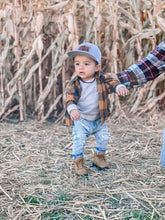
pixel 123 91
pixel 75 115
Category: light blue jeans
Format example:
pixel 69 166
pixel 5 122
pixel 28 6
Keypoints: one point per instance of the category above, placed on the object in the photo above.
pixel 82 129
pixel 162 155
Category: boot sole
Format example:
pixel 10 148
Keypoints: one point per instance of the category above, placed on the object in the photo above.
pixel 100 168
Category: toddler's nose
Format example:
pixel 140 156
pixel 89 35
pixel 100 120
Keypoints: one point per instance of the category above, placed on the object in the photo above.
pixel 81 66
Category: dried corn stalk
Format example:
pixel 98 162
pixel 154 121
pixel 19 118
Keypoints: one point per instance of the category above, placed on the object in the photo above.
pixel 34 38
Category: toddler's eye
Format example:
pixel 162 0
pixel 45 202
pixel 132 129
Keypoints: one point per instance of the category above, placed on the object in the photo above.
pixel 86 64
pixel 76 64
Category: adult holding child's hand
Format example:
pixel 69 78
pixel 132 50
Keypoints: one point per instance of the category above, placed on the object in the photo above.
pixel 148 68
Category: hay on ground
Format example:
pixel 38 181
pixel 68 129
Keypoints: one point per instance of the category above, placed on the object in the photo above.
pixel 37 179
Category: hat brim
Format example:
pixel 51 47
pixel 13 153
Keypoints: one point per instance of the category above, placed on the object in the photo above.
pixel 73 54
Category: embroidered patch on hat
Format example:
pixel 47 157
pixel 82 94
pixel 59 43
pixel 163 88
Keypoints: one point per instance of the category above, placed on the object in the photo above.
pixel 84 48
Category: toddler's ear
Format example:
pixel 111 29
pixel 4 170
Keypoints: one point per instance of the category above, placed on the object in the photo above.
pixel 98 66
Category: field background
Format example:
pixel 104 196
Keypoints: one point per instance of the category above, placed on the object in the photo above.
pixel 35 35
pixel 36 173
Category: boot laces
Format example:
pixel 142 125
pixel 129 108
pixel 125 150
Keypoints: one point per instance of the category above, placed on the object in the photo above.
pixel 80 163
pixel 102 157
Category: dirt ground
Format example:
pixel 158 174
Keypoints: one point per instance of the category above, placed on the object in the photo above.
pixel 37 179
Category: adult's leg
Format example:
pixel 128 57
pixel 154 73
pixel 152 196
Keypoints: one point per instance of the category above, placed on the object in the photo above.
pixel 162 155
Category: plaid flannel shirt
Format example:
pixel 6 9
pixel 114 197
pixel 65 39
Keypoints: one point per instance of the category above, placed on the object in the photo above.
pixel 74 93
pixel 146 69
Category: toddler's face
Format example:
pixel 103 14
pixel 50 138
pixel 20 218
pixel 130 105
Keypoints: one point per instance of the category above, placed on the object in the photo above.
pixel 85 67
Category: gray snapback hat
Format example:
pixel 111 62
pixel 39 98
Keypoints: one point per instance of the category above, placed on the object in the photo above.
pixel 86 49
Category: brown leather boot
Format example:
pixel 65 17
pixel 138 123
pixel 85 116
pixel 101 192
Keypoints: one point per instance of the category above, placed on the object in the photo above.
pixel 79 167
pixel 99 161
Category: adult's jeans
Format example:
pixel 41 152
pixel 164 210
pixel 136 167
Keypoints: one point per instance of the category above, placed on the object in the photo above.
pixel 162 155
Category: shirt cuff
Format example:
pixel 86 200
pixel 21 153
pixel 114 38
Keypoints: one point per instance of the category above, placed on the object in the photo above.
pixel 119 86
pixel 71 107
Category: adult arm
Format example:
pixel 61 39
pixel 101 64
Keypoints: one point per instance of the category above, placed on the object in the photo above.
pixel 148 68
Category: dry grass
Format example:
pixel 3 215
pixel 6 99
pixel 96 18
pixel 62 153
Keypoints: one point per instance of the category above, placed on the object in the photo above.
pixel 37 180
pixel 36 173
